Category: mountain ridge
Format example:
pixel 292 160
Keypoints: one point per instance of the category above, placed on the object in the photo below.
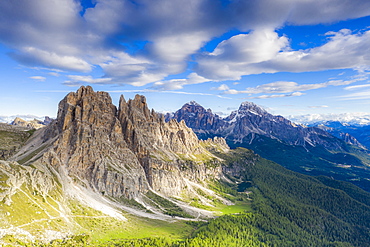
pixel 252 119
pixel 309 150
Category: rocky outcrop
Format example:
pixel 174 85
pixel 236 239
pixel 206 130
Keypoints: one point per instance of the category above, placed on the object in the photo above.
pixel 91 147
pixel 198 118
pixel 33 124
pixel 15 176
pixel 122 152
pixel 168 152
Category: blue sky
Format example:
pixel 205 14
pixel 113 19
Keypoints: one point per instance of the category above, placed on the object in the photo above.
pixel 291 57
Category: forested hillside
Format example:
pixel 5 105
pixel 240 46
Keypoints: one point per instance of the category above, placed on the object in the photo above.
pixel 282 208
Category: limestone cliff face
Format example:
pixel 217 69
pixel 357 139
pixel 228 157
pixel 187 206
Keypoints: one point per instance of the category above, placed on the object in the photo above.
pixel 90 145
pixel 166 151
pixel 125 151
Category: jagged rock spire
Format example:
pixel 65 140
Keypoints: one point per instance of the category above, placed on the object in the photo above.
pixel 122 152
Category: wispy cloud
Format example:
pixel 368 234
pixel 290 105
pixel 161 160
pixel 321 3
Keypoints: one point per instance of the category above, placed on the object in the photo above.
pixel 76 80
pixel 357 87
pixel 222 87
pixel 356 96
pixel 290 86
pixel 175 84
pixel 54 74
pixel 318 106
pixel 277 96
pixel 38 78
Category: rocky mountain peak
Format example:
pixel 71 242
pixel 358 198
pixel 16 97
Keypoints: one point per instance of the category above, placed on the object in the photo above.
pixel 197 117
pixel 32 124
pixel 192 107
pixel 120 152
pixel 252 108
pixel 135 109
pixel 86 107
pixel 193 103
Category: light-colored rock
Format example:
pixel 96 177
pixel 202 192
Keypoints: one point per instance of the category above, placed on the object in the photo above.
pixel 122 152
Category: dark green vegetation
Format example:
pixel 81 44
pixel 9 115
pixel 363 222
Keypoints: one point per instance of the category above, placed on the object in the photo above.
pixel 286 209
pixel 12 138
pixel 349 165
pixel 168 207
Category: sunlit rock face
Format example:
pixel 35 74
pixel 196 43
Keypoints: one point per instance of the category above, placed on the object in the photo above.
pixel 125 151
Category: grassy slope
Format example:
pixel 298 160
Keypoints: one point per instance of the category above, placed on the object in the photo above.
pixel 287 209
pixel 11 138
pixel 31 213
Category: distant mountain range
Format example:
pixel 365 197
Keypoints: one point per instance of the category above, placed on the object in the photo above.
pixel 249 121
pixel 357 119
pixel 347 132
pixel 310 150
pixel 9 119
pixel 27 121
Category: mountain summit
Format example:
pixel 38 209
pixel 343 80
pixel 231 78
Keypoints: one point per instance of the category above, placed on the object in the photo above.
pixel 197 118
pixel 251 107
pixel 250 120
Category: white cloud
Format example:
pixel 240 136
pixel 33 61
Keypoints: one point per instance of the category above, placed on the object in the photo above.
pixel 33 57
pixel 78 79
pixel 222 87
pixel 357 87
pixel 293 87
pixel 290 86
pixel 232 58
pixel 277 96
pixel 38 78
pixel 176 84
pixel 176 48
pixel 265 52
pixel 277 87
pixel 318 106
